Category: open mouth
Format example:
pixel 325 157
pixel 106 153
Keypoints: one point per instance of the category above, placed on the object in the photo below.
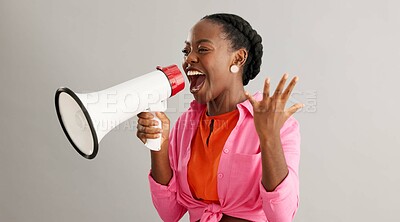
pixel 196 80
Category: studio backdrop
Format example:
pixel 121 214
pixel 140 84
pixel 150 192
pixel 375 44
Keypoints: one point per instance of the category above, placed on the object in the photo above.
pixel 345 52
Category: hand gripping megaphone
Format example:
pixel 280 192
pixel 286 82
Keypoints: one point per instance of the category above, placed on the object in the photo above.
pixel 87 117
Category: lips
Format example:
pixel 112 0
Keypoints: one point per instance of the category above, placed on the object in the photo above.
pixel 196 79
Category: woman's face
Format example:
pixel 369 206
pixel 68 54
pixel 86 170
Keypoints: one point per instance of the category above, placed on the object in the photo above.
pixel 207 59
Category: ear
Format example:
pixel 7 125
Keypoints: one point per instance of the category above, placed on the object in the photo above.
pixel 240 57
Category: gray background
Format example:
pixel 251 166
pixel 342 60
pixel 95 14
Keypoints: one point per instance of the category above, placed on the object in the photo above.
pixel 346 53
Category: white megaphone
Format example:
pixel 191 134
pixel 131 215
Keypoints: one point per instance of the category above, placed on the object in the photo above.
pixel 87 118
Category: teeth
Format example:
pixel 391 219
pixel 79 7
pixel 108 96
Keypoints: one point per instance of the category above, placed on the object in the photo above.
pixel 193 73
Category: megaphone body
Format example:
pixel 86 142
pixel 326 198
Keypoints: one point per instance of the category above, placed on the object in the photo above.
pixel 87 117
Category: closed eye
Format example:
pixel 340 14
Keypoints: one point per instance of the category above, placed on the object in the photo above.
pixel 203 50
pixel 185 52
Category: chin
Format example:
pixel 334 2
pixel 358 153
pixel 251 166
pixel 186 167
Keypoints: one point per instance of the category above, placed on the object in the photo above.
pixel 200 99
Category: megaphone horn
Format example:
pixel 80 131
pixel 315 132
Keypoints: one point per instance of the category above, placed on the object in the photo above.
pixel 82 115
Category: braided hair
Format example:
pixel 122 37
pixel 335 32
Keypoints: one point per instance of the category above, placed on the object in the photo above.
pixel 241 35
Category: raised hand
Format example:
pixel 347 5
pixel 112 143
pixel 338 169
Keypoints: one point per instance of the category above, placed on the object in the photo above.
pixel 270 113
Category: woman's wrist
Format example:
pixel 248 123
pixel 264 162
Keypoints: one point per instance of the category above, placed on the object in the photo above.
pixel 160 166
pixel 269 138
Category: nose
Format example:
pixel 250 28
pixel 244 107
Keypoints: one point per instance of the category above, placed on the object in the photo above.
pixel 191 58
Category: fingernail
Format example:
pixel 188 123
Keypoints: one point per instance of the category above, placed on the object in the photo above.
pixel 268 80
pixel 285 76
pixel 296 79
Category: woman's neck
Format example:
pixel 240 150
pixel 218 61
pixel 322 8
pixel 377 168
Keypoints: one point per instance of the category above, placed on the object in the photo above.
pixel 226 101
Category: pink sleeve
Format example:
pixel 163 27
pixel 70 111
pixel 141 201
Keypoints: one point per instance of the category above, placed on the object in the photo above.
pixel 281 204
pixel 164 200
pixel 165 197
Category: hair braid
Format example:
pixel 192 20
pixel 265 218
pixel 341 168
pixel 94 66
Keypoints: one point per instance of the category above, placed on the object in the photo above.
pixel 242 35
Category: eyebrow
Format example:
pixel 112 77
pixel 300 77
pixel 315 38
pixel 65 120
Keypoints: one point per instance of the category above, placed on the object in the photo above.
pixel 200 41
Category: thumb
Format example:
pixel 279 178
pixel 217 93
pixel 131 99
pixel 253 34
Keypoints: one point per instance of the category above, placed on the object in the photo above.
pixel 294 108
pixel 250 98
pixel 165 125
pixel 164 120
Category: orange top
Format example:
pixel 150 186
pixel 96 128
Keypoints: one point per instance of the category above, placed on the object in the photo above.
pixel 207 145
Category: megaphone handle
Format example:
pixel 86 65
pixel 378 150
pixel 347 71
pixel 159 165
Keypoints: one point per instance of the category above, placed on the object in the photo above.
pixel 154 144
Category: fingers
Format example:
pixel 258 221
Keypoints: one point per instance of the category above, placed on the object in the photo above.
pixel 146 127
pixel 266 89
pixel 147 122
pixel 288 90
pixel 294 108
pixel 144 136
pixel 144 133
pixel 145 115
pixel 280 86
pixel 250 98
pixel 141 137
